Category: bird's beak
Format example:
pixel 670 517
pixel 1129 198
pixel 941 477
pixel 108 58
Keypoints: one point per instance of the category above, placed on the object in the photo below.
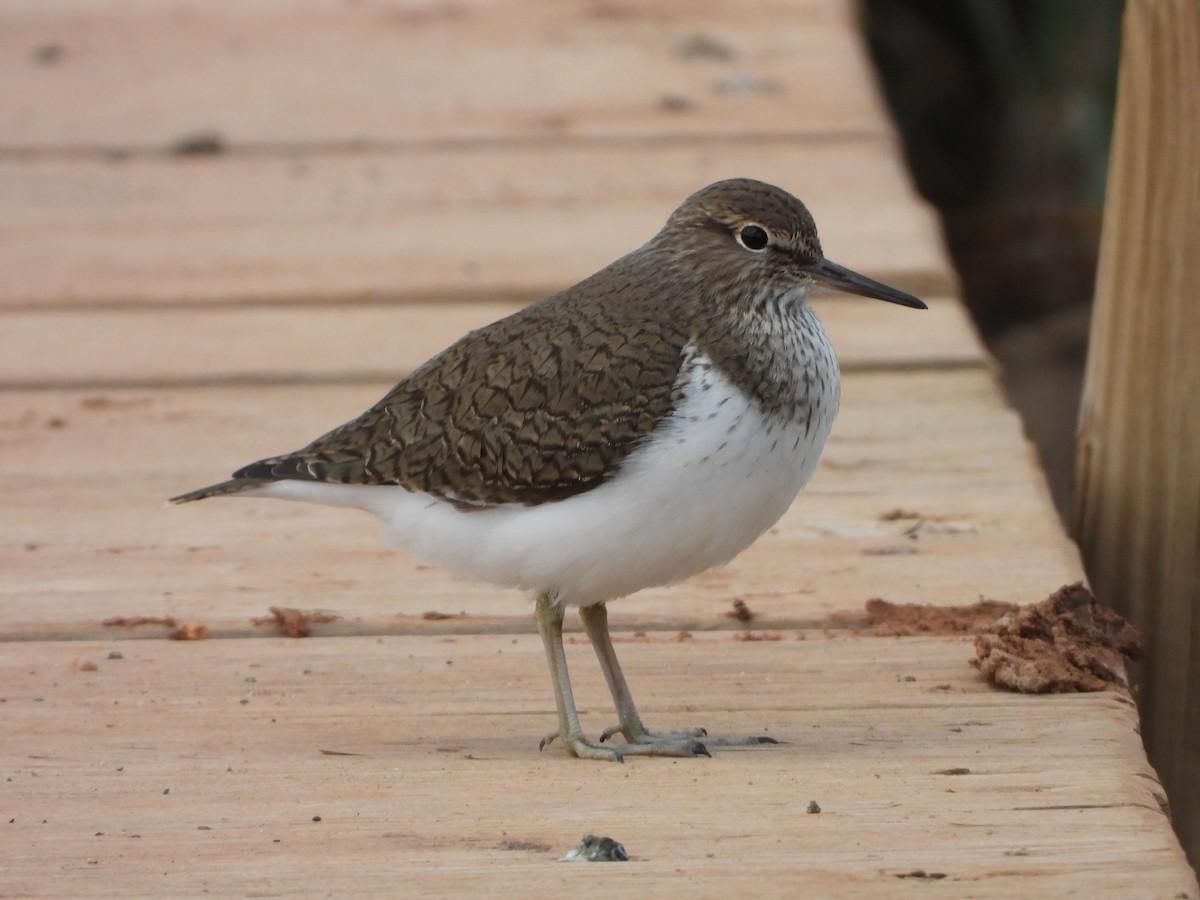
pixel 845 280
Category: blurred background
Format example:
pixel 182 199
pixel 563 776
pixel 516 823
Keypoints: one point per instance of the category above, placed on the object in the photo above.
pixel 1005 109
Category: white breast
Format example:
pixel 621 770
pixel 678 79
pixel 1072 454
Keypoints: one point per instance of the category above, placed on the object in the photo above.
pixel 702 488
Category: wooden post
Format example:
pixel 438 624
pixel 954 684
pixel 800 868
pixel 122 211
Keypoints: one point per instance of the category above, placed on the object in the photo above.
pixel 1137 515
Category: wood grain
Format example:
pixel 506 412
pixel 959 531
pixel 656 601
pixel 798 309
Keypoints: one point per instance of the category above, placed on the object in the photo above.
pixel 1138 512
pixel 465 224
pixel 282 73
pixel 399 746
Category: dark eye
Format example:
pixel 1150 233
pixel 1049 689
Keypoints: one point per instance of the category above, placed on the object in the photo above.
pixel 753 237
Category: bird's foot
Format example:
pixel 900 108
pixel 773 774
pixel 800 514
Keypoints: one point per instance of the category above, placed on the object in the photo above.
pixel 640 736
pixel 639 739
pixel 669 743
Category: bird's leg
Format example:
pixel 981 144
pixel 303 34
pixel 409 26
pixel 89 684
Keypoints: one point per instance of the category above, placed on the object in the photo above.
pixel 549 621
pixel 639 739
pixel 661 743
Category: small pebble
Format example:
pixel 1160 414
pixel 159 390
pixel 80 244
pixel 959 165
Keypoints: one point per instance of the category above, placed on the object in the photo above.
pixel 594 848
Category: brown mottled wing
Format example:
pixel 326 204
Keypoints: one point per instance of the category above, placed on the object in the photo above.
pixel 537 407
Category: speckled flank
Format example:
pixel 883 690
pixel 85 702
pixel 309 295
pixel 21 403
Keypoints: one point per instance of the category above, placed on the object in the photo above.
pixel 718 472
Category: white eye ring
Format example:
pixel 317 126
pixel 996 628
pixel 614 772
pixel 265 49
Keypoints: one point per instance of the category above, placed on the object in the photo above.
pixel 753 237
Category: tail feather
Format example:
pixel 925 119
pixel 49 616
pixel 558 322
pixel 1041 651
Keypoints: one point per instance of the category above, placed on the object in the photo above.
pixel 233 486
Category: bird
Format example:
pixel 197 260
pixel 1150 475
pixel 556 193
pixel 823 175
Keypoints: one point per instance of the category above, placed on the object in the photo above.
pixel 640 427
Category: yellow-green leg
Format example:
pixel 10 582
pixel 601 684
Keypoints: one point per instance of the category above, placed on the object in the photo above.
pixel 640 740
pixel 629 723
pixel 549 621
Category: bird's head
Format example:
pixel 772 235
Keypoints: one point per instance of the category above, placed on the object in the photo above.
pixel 743 232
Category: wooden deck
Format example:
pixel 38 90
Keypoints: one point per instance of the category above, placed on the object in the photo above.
pixel 389 176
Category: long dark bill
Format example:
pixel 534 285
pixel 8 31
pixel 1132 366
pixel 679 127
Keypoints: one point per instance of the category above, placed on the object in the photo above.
pixel 846 280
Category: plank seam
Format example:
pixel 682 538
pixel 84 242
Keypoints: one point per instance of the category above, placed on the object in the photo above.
pixel 226 629
pixel 364 147
pixel 972 362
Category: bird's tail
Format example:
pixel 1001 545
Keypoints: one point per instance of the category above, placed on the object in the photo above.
pixel 233 486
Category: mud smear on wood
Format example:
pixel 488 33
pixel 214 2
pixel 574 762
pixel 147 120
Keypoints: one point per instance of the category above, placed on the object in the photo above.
pixel 906 619
pixel 1066 643
pixel 189 631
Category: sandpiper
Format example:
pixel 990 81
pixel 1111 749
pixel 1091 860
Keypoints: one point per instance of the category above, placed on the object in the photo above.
pixel 642 426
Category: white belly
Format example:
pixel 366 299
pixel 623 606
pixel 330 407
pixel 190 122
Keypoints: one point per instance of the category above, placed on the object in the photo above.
pixel 712 478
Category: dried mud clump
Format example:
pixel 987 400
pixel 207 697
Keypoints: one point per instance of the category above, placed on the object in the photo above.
pixel 294 623
pixel 740 611
pixel 1063 644
pixel 191 631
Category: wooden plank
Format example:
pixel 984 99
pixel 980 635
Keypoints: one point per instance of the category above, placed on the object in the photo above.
pixel 468 223
pixel 1138 494
pixel 144 73
pixel 179 346
pixel 86 535
pixel 198 767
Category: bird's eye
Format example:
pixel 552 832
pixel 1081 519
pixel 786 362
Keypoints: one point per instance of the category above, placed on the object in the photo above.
pixel 753 237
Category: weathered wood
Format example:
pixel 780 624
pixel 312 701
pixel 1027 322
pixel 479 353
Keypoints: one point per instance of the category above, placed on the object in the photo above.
pixel 202 767
pixel 287 73
pixel 86 534
pixel 1138 486
pixel 470 223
